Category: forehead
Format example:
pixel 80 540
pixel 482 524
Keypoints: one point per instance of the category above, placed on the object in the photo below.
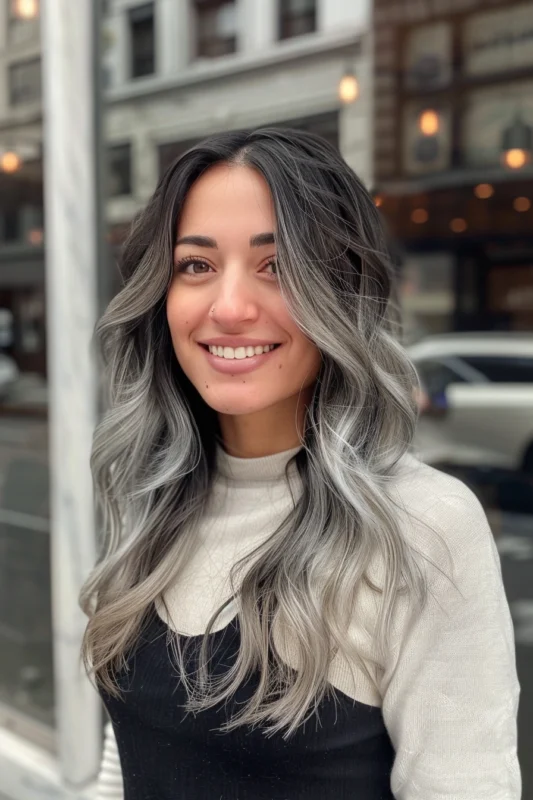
pixel 228 197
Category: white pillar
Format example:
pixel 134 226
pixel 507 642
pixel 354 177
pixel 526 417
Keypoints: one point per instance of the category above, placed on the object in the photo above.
pixel 343 15
pixel 5 109
pixel 71 287
pixel 172 36
pixel 4 24
pixel 257 25
pixel 118 55
pixel 145 157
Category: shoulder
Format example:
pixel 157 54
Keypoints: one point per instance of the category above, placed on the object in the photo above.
pixel 449 536
pixel 436 509
pixel 419 484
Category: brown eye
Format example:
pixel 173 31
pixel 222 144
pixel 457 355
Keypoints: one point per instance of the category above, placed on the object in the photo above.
pixel 198 267
pixel 272 263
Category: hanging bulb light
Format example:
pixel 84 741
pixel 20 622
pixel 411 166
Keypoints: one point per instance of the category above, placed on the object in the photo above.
pixel 484 191
pixel 515 158
pixel 458 225
pixel 517 144
pixel 10 161
pixel 429 122
pixel 522 204
pixel 349 87
pixel 25 9
pixel 419 216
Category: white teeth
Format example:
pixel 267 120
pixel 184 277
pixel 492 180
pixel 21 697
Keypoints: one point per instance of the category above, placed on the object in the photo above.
pixel 239 352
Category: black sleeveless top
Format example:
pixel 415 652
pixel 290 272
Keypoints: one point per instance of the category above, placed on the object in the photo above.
pixel 342 752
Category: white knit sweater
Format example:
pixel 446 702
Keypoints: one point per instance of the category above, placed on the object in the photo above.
pixel 448 688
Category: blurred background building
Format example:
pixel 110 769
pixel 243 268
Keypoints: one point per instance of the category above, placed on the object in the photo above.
pixel 21 195
pixel 178 71
pixel 453 158
pixel 430 102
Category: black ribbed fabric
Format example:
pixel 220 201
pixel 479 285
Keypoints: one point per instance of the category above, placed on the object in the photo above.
pixel 343 753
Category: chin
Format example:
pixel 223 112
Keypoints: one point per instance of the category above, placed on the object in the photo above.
pixel 229 403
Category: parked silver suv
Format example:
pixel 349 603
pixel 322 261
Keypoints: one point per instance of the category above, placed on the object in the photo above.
pixel 478 405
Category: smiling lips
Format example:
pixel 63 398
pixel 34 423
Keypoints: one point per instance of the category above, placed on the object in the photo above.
pixel 239 352
pixel 236 360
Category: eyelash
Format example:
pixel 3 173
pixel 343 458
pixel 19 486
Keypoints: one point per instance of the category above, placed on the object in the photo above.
pixel 184 262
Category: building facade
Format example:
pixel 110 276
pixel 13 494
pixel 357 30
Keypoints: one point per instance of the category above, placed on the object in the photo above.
pixel 454 158
pixel 175 71
pixel 178 72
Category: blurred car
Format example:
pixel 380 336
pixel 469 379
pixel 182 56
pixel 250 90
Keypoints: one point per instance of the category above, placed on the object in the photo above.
pixel 9 374
pixel 476 407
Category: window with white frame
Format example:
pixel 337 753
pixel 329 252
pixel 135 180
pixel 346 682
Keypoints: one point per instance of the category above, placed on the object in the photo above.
pixel 170 151
pixel 25 82
pixel 119 170
pixel 142 40
pixel 296 18
pixel 216 27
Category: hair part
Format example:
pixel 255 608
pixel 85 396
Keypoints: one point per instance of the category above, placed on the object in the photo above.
pixel 153 458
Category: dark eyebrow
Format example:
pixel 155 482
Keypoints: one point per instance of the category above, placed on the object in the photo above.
pixel 259 240
pixel 262 239
pixel 197 241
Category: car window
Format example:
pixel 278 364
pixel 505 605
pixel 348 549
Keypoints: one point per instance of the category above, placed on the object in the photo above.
pixel 436 376
pixel 503 369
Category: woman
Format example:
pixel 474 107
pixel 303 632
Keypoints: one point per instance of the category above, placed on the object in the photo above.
pixel 289 605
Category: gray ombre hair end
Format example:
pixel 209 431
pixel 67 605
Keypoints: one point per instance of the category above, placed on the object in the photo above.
pixel 153 458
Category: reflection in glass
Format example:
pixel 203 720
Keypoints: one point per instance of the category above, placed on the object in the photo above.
pixel 26 673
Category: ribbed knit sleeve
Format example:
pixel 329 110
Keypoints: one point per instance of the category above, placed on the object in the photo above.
pixel 450 689
pixel 110 786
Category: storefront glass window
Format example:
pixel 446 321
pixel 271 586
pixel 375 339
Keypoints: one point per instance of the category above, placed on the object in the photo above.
pixel 26 666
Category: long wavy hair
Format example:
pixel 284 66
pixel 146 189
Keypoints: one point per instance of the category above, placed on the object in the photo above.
pixel 154 452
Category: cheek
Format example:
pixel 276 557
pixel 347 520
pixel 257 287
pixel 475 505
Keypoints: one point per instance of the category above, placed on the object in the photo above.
pixel 179 317
pixel 306 355
pixel 311 361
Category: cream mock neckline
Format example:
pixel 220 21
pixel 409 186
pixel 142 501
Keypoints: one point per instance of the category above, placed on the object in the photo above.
pixel 265 468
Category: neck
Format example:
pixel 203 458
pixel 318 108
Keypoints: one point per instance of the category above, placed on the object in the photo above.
pixel 266 432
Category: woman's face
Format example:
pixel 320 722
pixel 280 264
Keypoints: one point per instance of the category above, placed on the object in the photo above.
pixel 225 294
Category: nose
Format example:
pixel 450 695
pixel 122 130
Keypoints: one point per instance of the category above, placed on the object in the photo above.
pixel 234 301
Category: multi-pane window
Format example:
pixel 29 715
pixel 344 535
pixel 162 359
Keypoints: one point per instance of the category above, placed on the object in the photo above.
pixel 216 27
pixel 324 125
pixel 21 209
pixel 10 225
pixel 170 151
pixel 142 40
pixel 296 17
pixel 25 82
pixel 119 170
